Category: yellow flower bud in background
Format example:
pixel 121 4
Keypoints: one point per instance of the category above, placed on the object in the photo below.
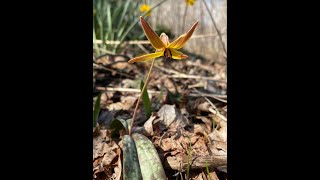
pixel 144 8
pixel 190 2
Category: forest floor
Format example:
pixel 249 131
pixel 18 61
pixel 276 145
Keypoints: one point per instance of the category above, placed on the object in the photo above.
pixel 189 114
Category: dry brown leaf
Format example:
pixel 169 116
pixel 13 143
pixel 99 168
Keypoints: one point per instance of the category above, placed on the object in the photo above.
pixel 104 60
pixel 125 104
pixel 120 65
pixel 148 126
pixel 203 106
pixel 115 106
pixel 199 177
pixel 128 83
pixel 213 175
pixel 118 169
pixel 108 158
pixel 207 122
pixel 204 176
pixel 222 168
pixel 199 129
pixel 218 148
pixel 103 100
pixel 171 118
pixel 97 140
pixel 103 148
pixel 104 156
pixel 168 83
pixel 221 133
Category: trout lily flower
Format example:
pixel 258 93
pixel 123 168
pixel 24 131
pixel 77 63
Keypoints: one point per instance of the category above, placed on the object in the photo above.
pixel 162 45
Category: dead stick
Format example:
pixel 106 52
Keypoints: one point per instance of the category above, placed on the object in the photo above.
pixel 158 92
pixel 181 75
pixel 111 70
pixel 180 163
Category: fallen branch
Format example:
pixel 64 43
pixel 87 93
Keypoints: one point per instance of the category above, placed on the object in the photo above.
pixel 213 106
pixel 97 66
pixel 187 76
pixel 215 96
pixel 180 163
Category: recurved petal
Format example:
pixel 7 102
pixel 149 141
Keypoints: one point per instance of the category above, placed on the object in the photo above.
pixel 177 54
pixel 181 40
pixel 151 35
pixel 146 57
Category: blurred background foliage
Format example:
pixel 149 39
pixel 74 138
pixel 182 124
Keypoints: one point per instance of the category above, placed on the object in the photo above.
pixel 116 28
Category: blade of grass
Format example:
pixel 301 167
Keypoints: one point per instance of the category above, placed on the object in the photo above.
pixel 96 110
pixel 123 13
pixel 207 168
pixel 146 101
pixel 109 17
pixel 121 30
pixel 115 14
pixel 133 24
pixel 95 38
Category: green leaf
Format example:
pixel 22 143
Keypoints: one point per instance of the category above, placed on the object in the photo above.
pixel 117 125
pixel 131 165
pixel 96 110
pixel 146 100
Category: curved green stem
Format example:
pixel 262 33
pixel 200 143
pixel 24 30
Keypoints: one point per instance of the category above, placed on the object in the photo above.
pixel 143 89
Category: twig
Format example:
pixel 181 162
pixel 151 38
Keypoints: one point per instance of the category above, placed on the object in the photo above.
pixel 215 96
pixel 137 105
pixel 187 76
pixel 111 70
pixel 215 26
pixel 216 112
pixel 167 70
pixel 213 109
pixel 204 98
pixel 202 66
pixel 98 41
pixel 112 54
pixel 143 49
pixel 198 162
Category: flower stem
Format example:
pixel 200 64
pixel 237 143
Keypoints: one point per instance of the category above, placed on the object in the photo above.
pixel 137 105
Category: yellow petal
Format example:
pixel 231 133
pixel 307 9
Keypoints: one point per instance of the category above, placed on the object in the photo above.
pixel 146 57
pixel 151 35
pixel 177 54
pixel 180 41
